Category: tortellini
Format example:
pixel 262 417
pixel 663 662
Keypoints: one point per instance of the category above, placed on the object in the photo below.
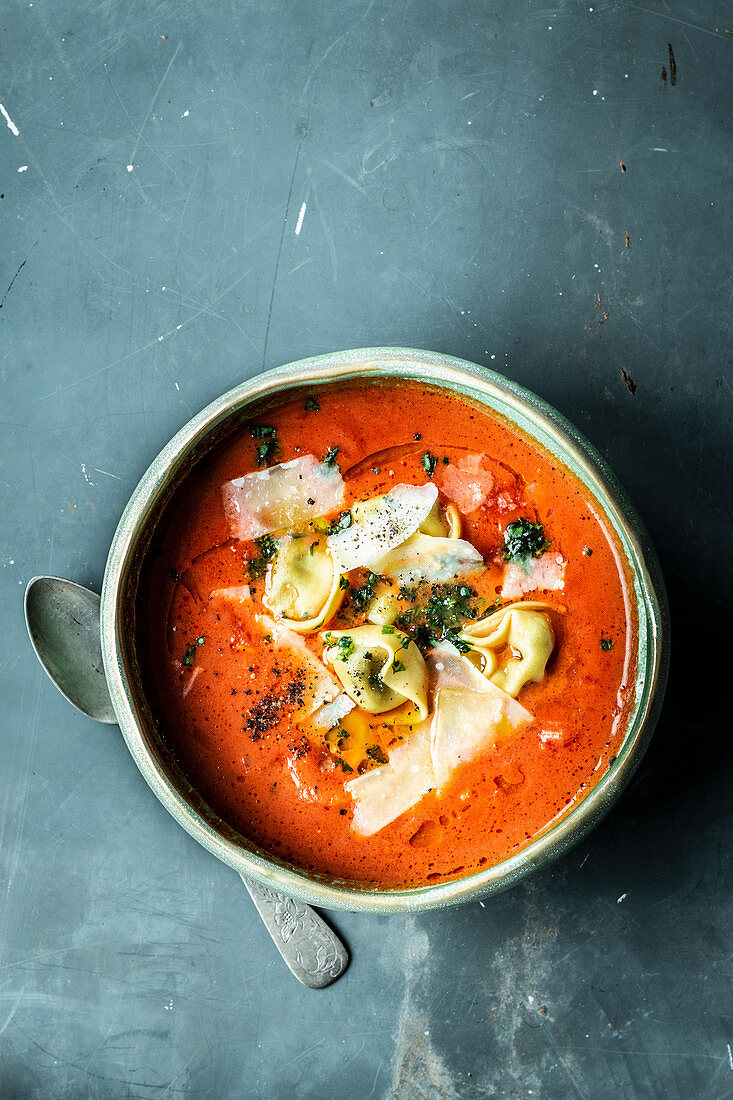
pixel 303 586
pixel 379 666
pixel 442 524
pixel 525 631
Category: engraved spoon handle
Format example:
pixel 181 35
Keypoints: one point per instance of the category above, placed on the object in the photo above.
pixel 310 949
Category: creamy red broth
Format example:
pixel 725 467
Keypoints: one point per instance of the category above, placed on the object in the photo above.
pixel 228 701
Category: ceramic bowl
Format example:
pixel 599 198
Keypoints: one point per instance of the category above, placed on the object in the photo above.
pixel 133 537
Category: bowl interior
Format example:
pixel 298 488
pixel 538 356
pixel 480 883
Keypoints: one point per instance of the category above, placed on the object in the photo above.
pixel 135 707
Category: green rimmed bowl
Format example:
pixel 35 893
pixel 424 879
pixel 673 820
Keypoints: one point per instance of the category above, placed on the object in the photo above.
pixel 133 537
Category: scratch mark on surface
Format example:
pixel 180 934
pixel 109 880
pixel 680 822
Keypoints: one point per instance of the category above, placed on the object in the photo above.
pixel 730 1057
pixel 279 251
pixel 619 900
pixel 9 122
pixel 345 175
pixel 299 225
pixel 682 22
pixel 10 286
pixel 152 104
pixel 334 44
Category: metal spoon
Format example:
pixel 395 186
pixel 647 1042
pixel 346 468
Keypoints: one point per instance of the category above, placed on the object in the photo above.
pixel 63 623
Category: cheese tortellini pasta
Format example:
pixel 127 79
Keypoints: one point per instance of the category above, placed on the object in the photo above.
pixel 303 586
pixel 380 667
pixel 521 628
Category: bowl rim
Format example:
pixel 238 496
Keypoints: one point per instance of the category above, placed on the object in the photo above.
pixel 543 424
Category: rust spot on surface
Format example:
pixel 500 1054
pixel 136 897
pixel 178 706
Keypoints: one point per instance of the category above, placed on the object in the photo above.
pixel 672 65
pixel 623 166
pixel 626 238
pixel 628 380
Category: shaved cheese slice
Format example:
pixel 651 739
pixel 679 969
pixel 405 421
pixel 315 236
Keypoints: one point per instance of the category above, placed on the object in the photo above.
pixel 320 686
pixel 546 573
pixel 430 558
pixel 239 594
pixel 385 793
pixel 466 483
pixel 380 524
pixel 330 714
pixel 448 669
pixel 290 495
pixel 467 722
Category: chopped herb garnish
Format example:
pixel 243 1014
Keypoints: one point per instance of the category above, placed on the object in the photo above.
pixel 587 551
pixel 330 456
pixel 607 643
pixel 374 752
pixel 267 449
pixel 342 812
pixel 311 548
pixel 376 470
pixel 361 597
pixel 397 666
pixel 523 540
pixel 190 655
pixel 442 614
pixel 344 584
pixel 339 524
pixel 417 435
pixel 267 546
pixel 260 431
pixel 312 405
pixel 429 463
pixel 387 630
pixel 344 766
pixel 344 645
pixel 446 460
pixel 201 640
pixel 268 639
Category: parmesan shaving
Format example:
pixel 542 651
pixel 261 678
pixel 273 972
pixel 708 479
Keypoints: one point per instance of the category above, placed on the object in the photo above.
pixel 288 495
pixel 387 792
pixel 381 524
pixel 546 573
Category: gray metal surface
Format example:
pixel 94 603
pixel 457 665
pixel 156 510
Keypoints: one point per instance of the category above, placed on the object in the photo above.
pixel 463 191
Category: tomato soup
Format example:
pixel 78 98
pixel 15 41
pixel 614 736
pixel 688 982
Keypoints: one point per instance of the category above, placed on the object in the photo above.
pixel 387 637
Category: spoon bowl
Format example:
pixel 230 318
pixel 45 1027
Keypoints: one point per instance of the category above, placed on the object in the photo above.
pixel 63 624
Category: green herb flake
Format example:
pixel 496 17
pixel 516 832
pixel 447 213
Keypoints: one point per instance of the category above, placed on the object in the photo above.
pixel 362 596
pixel 376 470
pixel 201 640
pixel 312 405
pixel 330 456
pixel 260 431
pixel 607 643
pixel 523 540
pixel 397 666
pixel 267 546
pixel 344 766
pixel 267 448
pixel 387 630
pixel 587 551
pixel 375 753
pixel 190 655
pixel 346 647
pixel 429 463
pixel 340 523
pixel 344 584
pixel 312 548
pixel 417 436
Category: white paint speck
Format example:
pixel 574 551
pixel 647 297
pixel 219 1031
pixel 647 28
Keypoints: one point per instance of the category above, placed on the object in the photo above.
pixel 130 167
pixel 185 114
pixel 656 149
pixel 10 124
pixel 482 905
pixel 493 357
pixel 619 900
pixel 301 215
pixel 595 91
pixel 161 339
pixel 177 386
pixel 730 1057
pixel 23 168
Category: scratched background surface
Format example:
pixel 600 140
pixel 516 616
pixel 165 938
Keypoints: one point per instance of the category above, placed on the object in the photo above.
pixel 197 191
